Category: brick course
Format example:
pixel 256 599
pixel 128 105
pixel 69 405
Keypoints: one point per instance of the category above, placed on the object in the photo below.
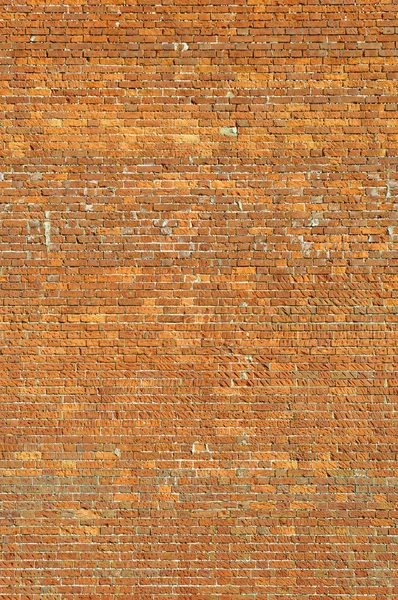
pixel 198 306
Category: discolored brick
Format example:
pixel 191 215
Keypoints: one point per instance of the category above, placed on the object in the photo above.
pixel 198 306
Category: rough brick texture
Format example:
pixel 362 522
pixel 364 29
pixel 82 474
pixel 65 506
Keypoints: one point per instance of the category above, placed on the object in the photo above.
pixel 198 311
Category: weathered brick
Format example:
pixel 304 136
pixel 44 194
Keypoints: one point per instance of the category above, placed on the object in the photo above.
pixel 198 307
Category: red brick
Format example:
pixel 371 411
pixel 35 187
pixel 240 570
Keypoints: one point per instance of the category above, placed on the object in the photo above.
pixel 198 323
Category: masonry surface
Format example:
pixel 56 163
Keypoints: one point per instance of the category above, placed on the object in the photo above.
pixel 198 301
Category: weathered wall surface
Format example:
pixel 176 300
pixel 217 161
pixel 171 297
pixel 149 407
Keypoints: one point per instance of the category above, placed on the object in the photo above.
pixel 198 303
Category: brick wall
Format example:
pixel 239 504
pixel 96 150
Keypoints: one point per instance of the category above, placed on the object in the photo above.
pixel 198 306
